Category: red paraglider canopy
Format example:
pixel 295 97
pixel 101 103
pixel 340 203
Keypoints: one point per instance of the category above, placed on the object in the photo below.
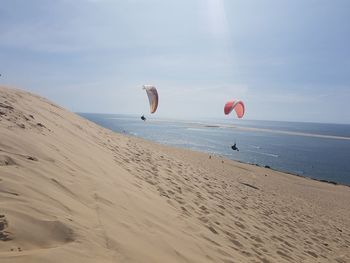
pixel 238 106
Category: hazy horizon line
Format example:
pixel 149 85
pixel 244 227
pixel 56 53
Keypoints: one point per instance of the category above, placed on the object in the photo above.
pixel 218 118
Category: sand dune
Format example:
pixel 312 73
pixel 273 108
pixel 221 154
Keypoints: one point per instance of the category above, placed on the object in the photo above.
pixel 71 191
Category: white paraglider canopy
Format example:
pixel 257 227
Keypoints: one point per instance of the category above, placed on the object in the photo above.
pixel 152 97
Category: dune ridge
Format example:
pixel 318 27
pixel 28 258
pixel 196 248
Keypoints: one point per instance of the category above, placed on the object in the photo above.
pixel 72 191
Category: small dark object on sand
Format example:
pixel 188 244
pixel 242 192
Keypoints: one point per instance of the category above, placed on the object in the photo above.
pixel 32 158
pixel 40 124
pixel 252 186
pixel 209 156
pixel 267 166
pixel 330 182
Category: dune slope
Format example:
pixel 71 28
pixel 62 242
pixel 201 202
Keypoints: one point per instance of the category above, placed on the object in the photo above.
pixel 71 191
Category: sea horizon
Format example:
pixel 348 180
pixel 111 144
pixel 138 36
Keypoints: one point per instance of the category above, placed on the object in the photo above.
pixel 226 119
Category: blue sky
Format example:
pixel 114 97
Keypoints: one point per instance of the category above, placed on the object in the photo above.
pixel 288 60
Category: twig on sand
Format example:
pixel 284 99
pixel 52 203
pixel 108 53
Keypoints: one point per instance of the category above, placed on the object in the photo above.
pixel 252 186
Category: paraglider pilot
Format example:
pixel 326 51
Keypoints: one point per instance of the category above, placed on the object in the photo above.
pixel 234 147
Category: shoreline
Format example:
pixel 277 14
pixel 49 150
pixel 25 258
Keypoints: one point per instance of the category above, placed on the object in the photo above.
pixel 309 177
pixel 306 166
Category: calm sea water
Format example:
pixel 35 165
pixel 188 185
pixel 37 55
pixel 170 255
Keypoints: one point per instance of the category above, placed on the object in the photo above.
pixel 320 151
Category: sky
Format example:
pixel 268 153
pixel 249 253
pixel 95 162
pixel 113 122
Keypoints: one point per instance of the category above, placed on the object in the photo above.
pixel 287 60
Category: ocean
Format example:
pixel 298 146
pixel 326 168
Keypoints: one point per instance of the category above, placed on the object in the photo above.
pixel 315 150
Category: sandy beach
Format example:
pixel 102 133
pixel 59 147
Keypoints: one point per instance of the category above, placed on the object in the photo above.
pixel 72 191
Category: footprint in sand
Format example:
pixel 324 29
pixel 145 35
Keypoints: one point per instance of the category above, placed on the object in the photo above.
pixel 212 229
pixel 239 224
pixel 4 235
pixel 25 229
pixel 6 160
pixel 204 209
